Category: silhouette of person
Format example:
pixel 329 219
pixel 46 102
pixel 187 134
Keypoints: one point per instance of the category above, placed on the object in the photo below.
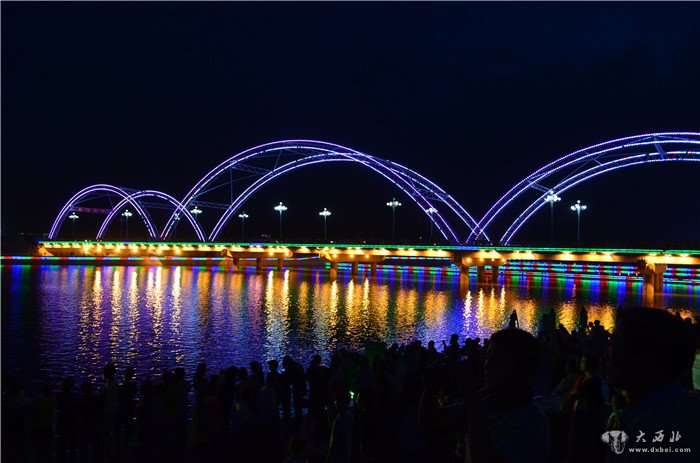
pixel 650 350
pixel 200 391
pixel 67 421
pixel 150 418
pixel 500 422
pixel 296 451
pixel 15 420
pixel 294 376
pixel 452 350
pixel 582 320
pixel 89 415
pixel 110 396
pixel 42 424
pixel 588 415
pixel 513 321
pixel 341 442
pixel 126 408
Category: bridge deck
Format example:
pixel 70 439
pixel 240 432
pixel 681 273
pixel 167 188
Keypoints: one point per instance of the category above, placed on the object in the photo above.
pixel 462 255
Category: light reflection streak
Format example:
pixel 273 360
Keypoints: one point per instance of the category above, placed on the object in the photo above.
pixel 332 320
pixel 133 310
pixel 158 315
pixel 176 310
pixel 480 309
pixel 318 308
pixel 351 318
pixel 502 300
pixel 305 300
pixel 470 316
pixel 407 310
pixel 430 313
pixel 567 314
pixel 275 316
pixel 91 327
pixel 203 328
pixel 116 328
pixel 493 319
pixel 527 315
pixel 381 317
pixel 365 311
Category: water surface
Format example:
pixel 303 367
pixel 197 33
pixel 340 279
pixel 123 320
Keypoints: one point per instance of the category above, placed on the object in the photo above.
pixel 71 320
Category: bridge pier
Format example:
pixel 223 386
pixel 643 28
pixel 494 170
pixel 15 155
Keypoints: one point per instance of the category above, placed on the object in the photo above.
pixel 355 269
pixel 373 269
pixel 480 274
pixel 236 263
pixel 280 262
pixel 659 278
pixel 494 274
pixel 258 264
pixel 333 272
pixel 463 275
pixel 653 275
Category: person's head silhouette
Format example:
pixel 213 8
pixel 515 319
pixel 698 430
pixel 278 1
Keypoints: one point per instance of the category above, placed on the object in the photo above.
pixel 511 360
pixel 649 348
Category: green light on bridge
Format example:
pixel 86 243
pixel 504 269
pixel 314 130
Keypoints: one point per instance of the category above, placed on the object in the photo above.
pixel 381 246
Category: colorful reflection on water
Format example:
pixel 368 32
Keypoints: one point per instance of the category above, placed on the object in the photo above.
pixel 71 320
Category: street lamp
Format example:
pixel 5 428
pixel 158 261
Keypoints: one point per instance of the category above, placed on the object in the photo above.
pixel 431 210
pixel 325 213
pixel 393 204
pixel 280 208
pixel 126 215
pixel 175 224
pixel 578 207
pixel 73 216
pixel 551 198
pixel 196 211
pixel 243 216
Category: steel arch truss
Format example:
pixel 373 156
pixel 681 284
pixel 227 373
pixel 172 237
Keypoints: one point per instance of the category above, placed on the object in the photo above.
pixel 97 191
pixel 584 164
pixel 292 154
pixel 179 210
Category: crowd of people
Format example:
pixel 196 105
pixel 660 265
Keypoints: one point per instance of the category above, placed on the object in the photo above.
pixel 512 397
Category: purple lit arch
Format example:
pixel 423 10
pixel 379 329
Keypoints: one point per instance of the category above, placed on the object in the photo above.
pixel 587 163
pixel 179 209
pixel 292 154
pixel 96 191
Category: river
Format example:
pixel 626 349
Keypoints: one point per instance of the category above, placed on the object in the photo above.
pixel 62 321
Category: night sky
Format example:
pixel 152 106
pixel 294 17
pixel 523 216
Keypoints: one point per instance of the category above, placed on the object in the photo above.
pixel 474 96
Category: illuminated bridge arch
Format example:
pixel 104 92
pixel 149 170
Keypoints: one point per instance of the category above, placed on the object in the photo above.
pixel 97 191
pixel 289 155
pixel 579 166
pixel 179 210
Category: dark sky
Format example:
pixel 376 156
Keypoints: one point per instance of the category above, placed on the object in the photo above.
pixel 474 96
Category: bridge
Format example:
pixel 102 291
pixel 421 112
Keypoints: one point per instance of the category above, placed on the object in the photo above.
pixel 231 183
pixel 472 245
pixel 651 264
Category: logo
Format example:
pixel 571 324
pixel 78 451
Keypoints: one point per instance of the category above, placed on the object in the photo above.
pixel 616 440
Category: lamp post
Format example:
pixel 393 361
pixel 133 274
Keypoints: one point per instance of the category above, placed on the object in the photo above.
pixel 578 207
pixel 431 210
pixel 393 204
pixel 551 198
pixel 195 212
pixel 175 224
pixel 243 216
pixel 73 216
pixel 324 213
pixel 280 208
pixel 126 215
